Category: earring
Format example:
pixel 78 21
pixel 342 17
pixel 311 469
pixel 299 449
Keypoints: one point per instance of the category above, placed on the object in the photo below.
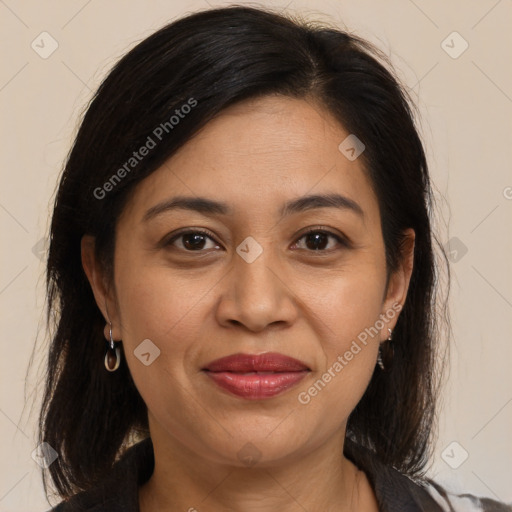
pixel 112 354
pixel 387 353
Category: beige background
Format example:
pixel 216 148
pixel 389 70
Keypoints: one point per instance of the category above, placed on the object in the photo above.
pixel 466 105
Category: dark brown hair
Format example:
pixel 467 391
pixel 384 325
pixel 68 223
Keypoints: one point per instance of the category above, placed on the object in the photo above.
pixel 220 57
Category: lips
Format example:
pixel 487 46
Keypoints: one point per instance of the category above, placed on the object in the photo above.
pixel 256 377
pixel 245 363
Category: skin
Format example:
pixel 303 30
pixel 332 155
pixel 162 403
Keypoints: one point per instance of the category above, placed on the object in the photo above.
pixel 197 306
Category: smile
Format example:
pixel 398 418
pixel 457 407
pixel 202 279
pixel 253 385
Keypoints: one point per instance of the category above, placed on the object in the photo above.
pixel 256 377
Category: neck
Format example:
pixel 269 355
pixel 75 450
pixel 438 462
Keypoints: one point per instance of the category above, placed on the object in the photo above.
pixel 323 479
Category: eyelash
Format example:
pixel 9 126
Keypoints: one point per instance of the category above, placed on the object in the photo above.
pixel 341 240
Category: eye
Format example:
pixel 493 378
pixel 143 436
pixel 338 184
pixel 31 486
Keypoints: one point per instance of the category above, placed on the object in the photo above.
pixel 192 241
pixel 196 240
pixel 318 240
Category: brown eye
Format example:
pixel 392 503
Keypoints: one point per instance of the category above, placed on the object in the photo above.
pixel 319 240
pixel 192 241
pixel 314 240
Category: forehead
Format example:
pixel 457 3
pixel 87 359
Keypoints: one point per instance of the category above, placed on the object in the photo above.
pixel 258 154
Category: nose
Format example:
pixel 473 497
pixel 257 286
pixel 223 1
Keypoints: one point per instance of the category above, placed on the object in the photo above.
pixel 256 295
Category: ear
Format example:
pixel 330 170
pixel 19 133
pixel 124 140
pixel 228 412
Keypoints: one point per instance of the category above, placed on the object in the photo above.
pixel 398 285
pixel 103 293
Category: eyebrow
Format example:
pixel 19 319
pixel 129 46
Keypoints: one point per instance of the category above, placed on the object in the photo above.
pixel 210 207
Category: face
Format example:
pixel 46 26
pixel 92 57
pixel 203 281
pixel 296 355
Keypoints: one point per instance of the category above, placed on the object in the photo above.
pixel 249 276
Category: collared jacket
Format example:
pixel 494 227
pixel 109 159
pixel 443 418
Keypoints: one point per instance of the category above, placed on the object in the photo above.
pixel 395 492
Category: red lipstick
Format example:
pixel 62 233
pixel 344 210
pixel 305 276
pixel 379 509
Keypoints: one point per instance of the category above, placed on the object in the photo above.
pixel 256 377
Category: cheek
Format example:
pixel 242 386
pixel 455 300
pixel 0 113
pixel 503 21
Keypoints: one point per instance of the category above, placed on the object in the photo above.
pixel 155 302
pixel 348 314
pixel 155 305
pixel 347 302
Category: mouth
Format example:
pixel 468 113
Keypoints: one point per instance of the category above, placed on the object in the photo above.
pixel 256 377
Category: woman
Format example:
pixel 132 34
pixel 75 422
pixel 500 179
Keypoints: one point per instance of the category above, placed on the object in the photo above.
pixel 244 218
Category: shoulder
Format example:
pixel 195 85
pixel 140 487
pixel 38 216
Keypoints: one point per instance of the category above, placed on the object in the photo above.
pixel 117 491
pixel 451 502
pixel 395 490
pixel 427 495
pixel 424 494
